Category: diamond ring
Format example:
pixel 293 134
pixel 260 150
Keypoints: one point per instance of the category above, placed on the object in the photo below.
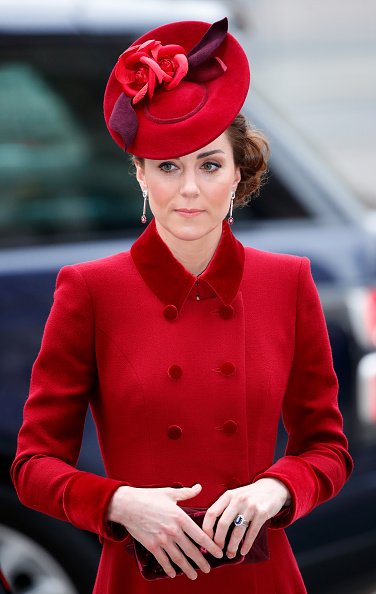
pixel 240 521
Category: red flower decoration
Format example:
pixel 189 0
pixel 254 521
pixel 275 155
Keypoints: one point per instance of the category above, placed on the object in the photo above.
pixel 141 67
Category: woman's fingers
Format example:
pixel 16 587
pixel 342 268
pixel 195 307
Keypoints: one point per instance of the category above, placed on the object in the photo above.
pixel 251 534
pixel 256 518
pixel 176 547
pixel 179 559
pixel 213 513
pixel 194 553
pixel 199 537
pixel 180 553
pixel 164 561
pixel 224 523
pixel 237 536
pixel 184 554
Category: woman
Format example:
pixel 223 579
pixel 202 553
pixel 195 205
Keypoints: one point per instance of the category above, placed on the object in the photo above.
pixel 187 348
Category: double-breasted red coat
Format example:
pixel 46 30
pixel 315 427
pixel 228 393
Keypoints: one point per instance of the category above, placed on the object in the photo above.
pixel 186 378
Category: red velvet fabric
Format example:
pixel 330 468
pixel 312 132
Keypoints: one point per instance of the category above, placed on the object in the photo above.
pixel 172 283
pixel 108 344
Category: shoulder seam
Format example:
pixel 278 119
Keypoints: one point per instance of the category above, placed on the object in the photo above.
pixel 78 272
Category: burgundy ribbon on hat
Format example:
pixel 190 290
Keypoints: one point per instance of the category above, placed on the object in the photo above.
pixel 203 66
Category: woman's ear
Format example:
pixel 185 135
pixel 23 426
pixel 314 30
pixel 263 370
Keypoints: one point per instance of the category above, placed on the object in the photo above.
pixel 237 177
pixel 140 174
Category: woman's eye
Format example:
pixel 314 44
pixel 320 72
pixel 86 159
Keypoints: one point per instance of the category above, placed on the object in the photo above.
pixel 167 166
pixel 210 166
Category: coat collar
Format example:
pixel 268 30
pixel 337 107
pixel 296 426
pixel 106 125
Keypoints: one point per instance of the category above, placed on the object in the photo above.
pixel 172 283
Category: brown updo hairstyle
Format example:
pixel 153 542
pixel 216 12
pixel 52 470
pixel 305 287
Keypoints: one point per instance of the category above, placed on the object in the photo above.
pixel 251 154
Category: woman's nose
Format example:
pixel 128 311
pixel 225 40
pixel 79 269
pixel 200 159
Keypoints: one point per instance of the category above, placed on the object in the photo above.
pixel 189 187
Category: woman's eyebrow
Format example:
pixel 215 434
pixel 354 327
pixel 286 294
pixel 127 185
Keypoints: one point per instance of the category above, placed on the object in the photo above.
pixel 203 155
pixel 200 156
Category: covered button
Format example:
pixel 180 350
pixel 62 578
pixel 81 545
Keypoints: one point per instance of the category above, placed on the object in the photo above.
pixel 230 427
pixel 227 368
pixel 174 432
pixel 177 485
pixel 226 312
pixel 175 372
pixel 170 312
pixel 233 483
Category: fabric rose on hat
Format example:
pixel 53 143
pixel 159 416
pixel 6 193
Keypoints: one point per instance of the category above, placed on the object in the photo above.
pixel 142 67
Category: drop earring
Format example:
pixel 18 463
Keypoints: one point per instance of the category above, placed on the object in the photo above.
pixel 145 196
pixel 230 219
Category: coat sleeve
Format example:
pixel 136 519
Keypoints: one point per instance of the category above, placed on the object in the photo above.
pixel 316 463
pixel 63 378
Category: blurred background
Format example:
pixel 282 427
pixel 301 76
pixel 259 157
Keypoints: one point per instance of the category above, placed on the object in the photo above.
pixel 66 196
pixel 316 64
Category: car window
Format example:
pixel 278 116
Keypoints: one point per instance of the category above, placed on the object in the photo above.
pixel 62 178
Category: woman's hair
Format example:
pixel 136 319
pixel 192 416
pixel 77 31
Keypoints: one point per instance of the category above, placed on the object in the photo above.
pixel 251 153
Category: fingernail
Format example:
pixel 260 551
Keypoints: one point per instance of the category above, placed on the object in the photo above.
pixel 230 555
pixel 219 554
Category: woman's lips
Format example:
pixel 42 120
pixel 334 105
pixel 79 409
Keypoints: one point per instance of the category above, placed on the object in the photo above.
pixel 188 212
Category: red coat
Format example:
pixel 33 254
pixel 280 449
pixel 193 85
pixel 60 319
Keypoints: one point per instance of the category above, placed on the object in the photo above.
pixel 184 390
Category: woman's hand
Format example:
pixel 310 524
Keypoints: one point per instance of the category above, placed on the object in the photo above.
pixel 153 517
pixel 257 503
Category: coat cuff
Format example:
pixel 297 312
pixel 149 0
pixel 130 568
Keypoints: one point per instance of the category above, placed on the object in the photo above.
pixel 86 499
pixel 302 484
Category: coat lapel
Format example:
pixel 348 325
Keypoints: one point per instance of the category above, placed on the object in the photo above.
pixel 171 282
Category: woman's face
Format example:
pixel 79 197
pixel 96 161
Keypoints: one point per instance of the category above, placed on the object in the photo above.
pixel 190 196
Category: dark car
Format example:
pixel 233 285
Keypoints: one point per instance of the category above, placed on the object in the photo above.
pixel 66 196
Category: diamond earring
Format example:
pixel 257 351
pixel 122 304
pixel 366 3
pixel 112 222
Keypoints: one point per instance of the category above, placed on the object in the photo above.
pixel 145 196
pixel 230 219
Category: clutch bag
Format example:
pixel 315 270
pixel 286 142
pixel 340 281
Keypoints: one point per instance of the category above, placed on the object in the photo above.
pixel 151 570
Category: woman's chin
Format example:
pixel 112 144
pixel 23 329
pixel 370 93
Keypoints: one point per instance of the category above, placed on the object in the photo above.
pixel 190 231
pixel 190 228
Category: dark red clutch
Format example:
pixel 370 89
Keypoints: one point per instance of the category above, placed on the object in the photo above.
pixel 151 570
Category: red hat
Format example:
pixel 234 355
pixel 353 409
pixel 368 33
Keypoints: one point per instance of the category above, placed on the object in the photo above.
pixel 175 89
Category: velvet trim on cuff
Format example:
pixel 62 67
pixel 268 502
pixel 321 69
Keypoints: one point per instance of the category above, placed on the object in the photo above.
pixel 86 499
pixel 301 482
